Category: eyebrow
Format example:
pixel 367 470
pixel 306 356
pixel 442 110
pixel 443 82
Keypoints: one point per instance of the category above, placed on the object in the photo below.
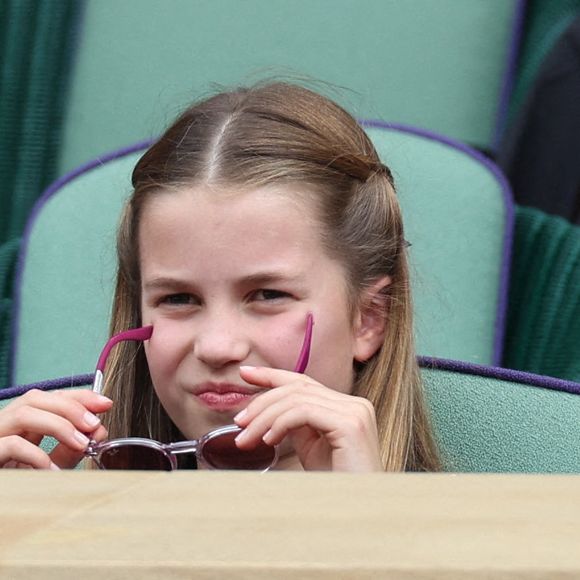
pixel 164 282
pixel 270 277
pixel 267 277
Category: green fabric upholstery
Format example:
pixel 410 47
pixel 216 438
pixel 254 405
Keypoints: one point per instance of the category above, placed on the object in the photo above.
pixel 545 22
pixel 456 219
pixel 8 254
pixel 503 423
pixel 487 424
pixel 35 42
pixel 543 326
pixel 67 275
pixel 457 216
pixel 432 64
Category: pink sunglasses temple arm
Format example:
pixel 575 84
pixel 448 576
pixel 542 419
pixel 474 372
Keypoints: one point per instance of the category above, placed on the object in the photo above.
pixel 305 351
pixel 143 333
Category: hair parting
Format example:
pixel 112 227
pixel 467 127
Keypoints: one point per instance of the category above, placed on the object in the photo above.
pixel 281 133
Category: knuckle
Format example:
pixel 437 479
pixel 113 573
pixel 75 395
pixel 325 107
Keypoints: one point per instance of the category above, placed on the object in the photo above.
pixel 366 405
pixel 8 442
pixel 299 385
pixel 32 396
pixel 303 409
pixel 357 424
pixel 12 443
pixel 100 434
pixel 29 398
pixel 22 415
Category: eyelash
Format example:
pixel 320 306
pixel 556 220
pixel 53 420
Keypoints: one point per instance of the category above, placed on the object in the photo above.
pixel 183 298
pixel 172 299
pixel 280 294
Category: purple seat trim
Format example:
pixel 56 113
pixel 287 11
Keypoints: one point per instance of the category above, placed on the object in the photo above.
pixel 507 195
pixel 54 188
pixel 500 374
pixel 48 385
pixel 510 72
pixel 454 366
pixel 35 212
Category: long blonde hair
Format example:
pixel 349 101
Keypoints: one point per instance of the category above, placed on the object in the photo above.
pixel 273 133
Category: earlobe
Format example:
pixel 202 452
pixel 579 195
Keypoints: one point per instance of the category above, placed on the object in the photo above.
pixel 371 321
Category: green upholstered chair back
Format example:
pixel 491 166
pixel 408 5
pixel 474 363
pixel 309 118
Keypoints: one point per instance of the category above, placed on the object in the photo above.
pixel 458 217
pixel 545 22
pixel 496 420
pixel 543 323
pixel 443 65
pixel 485 419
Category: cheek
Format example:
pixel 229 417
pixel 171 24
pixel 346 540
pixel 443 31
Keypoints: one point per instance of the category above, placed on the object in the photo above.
pixel 280 340
pixel 332 354
pixel 165 349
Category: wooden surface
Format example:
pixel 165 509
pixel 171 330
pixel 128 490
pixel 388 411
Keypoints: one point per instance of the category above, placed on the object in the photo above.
pixel 287 525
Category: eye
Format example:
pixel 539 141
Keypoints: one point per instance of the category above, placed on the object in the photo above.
pixel 178 299
pixel 269 295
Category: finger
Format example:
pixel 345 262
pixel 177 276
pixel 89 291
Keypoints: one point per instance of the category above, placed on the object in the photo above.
pixel 33 438
pixel 94 402
pixel 15 451
pixel 268 377
pixel 300 387
pixel 274 423
pixel 315 417
pixel 67 458
pixel 260 418
pixel 15 418
pixel 350 446
pixel 40 423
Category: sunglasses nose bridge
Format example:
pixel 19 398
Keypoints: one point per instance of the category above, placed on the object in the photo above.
pixel 181 447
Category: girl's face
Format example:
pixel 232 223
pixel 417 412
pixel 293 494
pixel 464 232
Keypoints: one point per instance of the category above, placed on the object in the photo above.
pixel 228 279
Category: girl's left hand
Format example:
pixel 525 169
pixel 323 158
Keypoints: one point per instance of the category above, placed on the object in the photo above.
pixel 329 430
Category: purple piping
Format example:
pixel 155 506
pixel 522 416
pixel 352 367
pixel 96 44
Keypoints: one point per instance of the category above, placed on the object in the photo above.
pixel 49 385
pixel 502 305
pixel 37 208
pixel 454 366
pixel 501 374
pixel 86 168
pixel 510 71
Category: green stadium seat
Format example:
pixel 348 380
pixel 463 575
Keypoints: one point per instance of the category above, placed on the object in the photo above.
pixel 485 419
pixel 442 65
pixel 457 209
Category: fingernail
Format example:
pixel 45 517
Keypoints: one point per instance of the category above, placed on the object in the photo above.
pixel 246 368
pixel 241 436
pixel 267 436
pixel 83 439
pixel 240 415
pixel 104 399
pixel 90 419
pixel 53 467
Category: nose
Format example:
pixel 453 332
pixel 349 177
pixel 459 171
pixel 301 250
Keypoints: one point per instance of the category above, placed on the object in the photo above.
pixel 221 341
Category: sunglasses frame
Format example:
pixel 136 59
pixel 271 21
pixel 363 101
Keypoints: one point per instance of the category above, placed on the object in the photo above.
pixel 169 450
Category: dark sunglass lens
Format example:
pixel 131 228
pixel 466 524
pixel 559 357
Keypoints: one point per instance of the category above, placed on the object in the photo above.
pixel 221 452
pixel 135 457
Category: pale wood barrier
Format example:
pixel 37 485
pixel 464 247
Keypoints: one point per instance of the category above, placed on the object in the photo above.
pixel 287 525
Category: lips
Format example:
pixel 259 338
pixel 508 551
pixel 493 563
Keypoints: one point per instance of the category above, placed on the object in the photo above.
pixel 223 396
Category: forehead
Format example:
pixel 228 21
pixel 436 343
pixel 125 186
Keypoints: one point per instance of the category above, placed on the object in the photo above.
pixel 206 223
pixel 232 206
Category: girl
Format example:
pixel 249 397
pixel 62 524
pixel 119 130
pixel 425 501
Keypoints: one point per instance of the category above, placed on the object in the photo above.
pixel 256 208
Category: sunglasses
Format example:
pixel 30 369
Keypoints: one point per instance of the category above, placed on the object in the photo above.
pixel 215 450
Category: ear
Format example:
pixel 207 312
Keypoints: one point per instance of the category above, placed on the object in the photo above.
pixel 371 320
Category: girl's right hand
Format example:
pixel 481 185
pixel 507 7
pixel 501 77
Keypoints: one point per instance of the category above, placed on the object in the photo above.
pixel 68 416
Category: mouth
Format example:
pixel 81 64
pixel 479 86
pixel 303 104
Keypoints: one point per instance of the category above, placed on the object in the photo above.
pixel 224 396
